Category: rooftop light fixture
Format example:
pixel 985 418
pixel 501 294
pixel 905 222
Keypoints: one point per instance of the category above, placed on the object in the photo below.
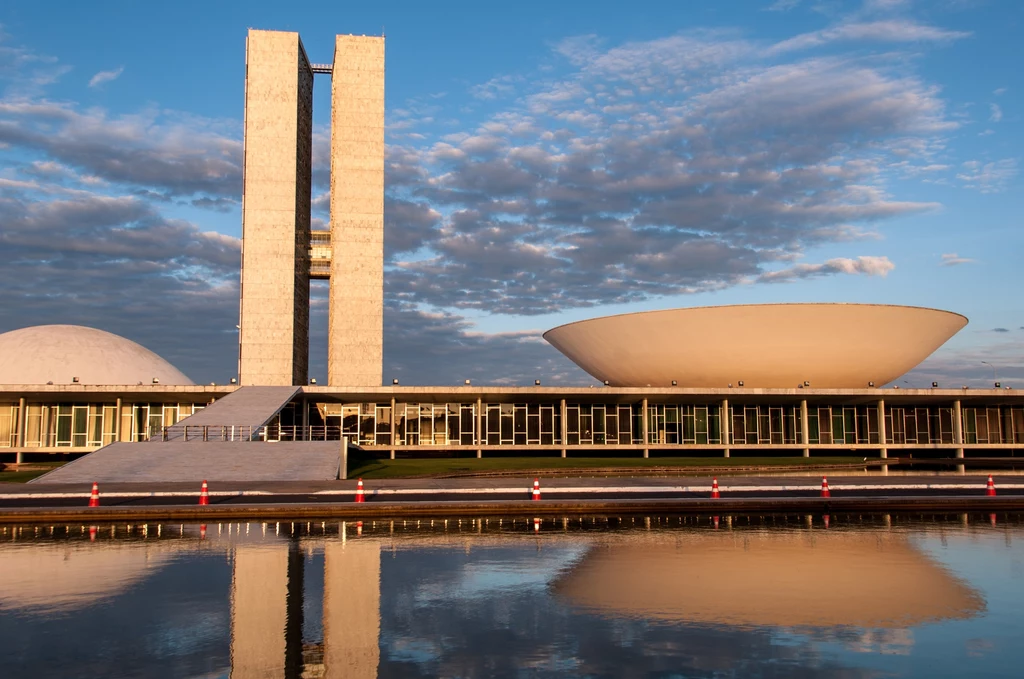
pixel 998 384
pixel 536 383
pixel 312 380
pixel 467 383
pixel 234 381
pixel 740 383
pixel 674 383
pixel 394 380
pixel 75 380
pixel 156 381
pixel 871 384
pixel 934 384
pixel 607 383
pixel 806 383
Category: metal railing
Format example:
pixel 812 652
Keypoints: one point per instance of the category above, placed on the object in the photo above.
pixel 207 432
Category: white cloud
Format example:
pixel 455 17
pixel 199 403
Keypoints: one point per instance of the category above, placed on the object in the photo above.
pixel 997 113
pixel 867 265
pixel 105 77
pixel 893 30
pixel 988 177
pixel 953 259
pixel 1000 91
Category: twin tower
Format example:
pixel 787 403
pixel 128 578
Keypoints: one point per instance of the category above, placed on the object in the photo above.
pixel 280 254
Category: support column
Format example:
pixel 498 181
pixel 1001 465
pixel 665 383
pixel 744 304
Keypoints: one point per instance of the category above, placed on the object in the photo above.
pixel 564 427
pixel 647 429
pixel 351 608
pixel 805 428
pixel 724 425
pixel 117 415
pixel 19 431
pixel 480 435
pixel 394 426
pixel 883 433
pixel 958 429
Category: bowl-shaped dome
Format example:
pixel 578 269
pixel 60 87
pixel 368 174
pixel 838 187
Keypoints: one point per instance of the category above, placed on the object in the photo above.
pixel 60 353
pixel 832 346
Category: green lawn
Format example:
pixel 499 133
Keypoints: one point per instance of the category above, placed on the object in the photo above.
pixel 28 474
pixel 390 469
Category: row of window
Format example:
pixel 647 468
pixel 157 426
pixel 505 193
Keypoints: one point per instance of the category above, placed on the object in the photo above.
pixel 521 424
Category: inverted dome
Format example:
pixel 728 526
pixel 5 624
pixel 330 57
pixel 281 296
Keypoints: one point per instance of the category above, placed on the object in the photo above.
pixel 832 346
pixel 59 353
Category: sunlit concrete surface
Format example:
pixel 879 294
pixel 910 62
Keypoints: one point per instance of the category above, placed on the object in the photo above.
pixel 274 325
pixel 259 610
pixel 59 354
pixel 197 461
pixel 830 346
pixel 805 579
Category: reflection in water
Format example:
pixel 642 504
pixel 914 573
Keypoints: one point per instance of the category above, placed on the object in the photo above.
pixel 776 579
pixel 608 597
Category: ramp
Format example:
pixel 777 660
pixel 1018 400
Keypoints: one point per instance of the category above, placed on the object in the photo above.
pixel 240 413
pixel 196 461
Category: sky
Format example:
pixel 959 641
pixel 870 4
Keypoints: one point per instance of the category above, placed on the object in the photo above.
pixel 546 163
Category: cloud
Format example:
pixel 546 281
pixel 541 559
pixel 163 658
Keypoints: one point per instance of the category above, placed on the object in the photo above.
pixel 887 31
pixel 1000 91
pixel 1000 330
pixel 987 177
pixel 870 266
pixel 782 5
pixel 997 113
pixel 105 77
pixel 953 259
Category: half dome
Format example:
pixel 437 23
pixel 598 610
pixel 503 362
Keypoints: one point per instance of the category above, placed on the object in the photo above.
pixel 59 353
pixel 832 346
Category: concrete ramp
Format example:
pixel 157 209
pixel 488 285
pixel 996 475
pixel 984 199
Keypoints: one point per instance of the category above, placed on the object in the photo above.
pixel 240 414
pixel 196 461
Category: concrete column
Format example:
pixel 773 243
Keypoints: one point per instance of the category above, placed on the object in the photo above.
pixel 647 429
pixel 958 428
pixel 724 425
pixel 394 426
pixel 481 437
pixel 883 434
pixel 805 428
pixel 266 611
pixel 351 608
pixel 117 417
pixel 343 462
pixel 564 427
pixel 305 420
pixel 19 431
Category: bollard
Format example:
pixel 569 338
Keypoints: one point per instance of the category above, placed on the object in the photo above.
pixel 94 497
pixel 825 492
pixel 536 489
pixel 204 494
pixel 714 489
pixel 990 489
pixel 360 495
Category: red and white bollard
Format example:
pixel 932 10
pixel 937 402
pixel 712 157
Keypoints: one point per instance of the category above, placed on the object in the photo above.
pixel 536 490
pixel 94 497
pixel 825 492
pixel 204 494
pixel 360 494
pixel 714 489
pixel 990 489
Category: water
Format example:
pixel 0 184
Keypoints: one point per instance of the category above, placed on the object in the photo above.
pixel 870 596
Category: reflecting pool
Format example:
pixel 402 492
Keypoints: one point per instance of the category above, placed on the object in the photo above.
pixel 850 596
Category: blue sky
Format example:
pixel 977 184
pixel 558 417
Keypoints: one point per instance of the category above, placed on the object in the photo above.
pixel 547 162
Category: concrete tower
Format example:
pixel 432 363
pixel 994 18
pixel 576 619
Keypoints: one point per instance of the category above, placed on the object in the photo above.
pixel 356 330
pixel 274 318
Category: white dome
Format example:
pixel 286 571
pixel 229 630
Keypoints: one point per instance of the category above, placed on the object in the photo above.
pixel 60 353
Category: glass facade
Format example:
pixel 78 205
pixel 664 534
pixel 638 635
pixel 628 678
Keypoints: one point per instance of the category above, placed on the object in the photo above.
pixel 88 425
pixel 535 424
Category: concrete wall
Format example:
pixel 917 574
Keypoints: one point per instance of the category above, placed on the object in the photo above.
pixel 274 339
pixel 356 326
